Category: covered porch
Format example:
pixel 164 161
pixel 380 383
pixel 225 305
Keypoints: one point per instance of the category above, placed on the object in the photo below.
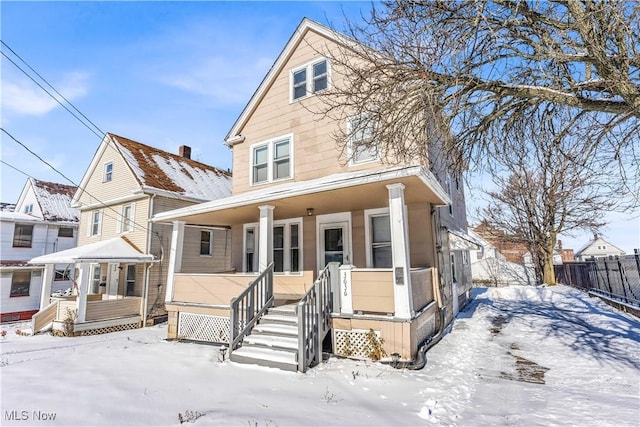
pixel 377 225
pixel 101 299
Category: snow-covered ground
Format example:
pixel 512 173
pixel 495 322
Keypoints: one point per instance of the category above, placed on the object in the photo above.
pixel 522 356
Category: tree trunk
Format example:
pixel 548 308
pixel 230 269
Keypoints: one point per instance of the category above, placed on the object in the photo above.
pixel 548 274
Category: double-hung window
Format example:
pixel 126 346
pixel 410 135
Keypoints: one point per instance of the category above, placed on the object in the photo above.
pixel 126 218
pixel 22 236
pixel 108 172
pixel 95 278
pixel 378 238
pixel 206 242
pixel 130 280
pixel 287 254
pixel 272 160
pixel 20 284
pixel 96 220
pixel 360 134
pixel 309 79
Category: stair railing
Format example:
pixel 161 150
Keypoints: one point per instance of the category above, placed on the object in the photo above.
pixel 314 318
pixel 249 306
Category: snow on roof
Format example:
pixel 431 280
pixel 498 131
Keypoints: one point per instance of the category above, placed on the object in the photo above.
pixel 55 201
pixel 118 249
pixel 164 171
pixel 17 216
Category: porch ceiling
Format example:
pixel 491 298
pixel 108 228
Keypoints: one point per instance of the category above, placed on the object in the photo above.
pixel 346 192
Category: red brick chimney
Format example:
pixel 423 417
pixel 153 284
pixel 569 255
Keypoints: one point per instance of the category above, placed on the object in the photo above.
pixel 185 151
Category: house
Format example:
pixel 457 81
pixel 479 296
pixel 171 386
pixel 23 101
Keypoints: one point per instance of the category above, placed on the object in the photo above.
pixel 368 258
pixel 597 248
pixel 121 257
pixel 42 222
pixel 489 267
pixel 512 251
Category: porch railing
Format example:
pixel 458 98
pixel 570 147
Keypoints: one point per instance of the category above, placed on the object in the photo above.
pixel 314 317
pixel 249 306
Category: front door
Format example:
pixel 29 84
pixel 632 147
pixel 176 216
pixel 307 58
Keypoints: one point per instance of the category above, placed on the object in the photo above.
pixel 334 244
pixel 112 280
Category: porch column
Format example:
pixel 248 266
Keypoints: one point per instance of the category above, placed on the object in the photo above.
pixel 175 257
pixel 265 241
pixel 346 297
pixel 47 278
pixel 400 252
pixel 83 290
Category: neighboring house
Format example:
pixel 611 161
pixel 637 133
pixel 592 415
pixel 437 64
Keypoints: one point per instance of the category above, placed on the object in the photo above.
pixel 42 222
pixel 300 208
pixel 597 248
pixel 491 268
pixel 121 256
pixel 501 241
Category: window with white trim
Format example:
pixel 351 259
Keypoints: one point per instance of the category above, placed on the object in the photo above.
pixel 95 278
pixel 272 160
pixel 22 236
pixel 309 79
pixel 108 172
pixel 29 208
pixel 206 242
pixel 61 275
pixel 126 218
pixel 96 222
pixel 65 232
pixel 20 284
pixel 378 238
pixel 250 260
pixel 287 253
pixel 360 148
pixel 130 280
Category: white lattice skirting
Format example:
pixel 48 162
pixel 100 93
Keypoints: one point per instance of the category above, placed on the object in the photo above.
pixel 353 343
pixel 203 327
pixel 109 329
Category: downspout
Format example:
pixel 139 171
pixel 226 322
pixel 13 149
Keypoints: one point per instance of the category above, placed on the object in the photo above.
pixel 147 275
pixel 147 272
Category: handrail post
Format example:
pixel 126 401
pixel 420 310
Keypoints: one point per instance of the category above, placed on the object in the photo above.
pixel 233 319
pixel 302 363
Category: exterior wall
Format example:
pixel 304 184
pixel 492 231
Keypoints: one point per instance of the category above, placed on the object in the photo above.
pixel 220 259
pixel 372 291
pixel 30 199
pixel 19 306
pixel 598 248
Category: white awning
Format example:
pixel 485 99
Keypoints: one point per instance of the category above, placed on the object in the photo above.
pixel 118 249
pixel 461 241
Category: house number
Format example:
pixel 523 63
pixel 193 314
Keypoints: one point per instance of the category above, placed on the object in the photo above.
pixel 344 280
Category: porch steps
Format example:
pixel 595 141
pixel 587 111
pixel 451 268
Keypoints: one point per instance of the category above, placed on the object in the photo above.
pixel 273 341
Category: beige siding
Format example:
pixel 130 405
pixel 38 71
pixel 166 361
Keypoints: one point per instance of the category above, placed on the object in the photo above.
pixel 207 289
pixel 292 286
pixel 219 261
pixel 372 291
pixel 358 239
pixel 422 281
pixel 111 309
pixel 421 243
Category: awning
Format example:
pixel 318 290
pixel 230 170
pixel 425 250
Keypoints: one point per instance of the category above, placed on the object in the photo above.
pixel 118 249
pixel 461 241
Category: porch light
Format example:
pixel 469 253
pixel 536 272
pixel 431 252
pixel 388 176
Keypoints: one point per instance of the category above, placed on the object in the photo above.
pixel 309 211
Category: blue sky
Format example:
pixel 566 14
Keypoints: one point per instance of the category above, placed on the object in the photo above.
pixel 162 73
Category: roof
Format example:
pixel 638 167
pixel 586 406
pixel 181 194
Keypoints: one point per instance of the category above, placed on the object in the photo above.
pixel 157 169
pixel 597 238
pixel 55 200
pixel 118 249
pixel 18 217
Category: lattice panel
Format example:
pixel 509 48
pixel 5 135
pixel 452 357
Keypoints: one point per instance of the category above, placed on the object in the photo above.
pixel 110 329
pixel 352 343
pixel 204 327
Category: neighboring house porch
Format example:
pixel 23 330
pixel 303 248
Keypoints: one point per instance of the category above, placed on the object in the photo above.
pixel 102 299
pixel 376 229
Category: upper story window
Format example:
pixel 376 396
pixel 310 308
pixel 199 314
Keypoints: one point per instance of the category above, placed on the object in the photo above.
pixel 126 218
pixel 96 221
pixel 29 208
pixel 272 160
pixel 108 172
pixel 22 236
pixel 360 132
pixel 65 232
pixel 309 79
pixel 206 242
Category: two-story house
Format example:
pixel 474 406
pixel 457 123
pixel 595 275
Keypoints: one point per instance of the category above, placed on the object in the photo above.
pixel 121 257
pixel 323 243
pixel 597 248
pixel 42 222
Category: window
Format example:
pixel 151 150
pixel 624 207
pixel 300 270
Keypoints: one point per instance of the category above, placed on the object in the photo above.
pixel 94 226
pixel 95 278
pixel 287 256
pixel 294 246
pixel 360 131
pixel 378 238
pixel 272 160
pixel 205 242
pixel 309 79
pixel 126 218
pixel 278 248
pixel 450 192
pixel 61 275
pixel 65 232
pixel 108 172
pixel 22 236
pixel 250 262
pixel 453 268
pixel 28 209
pixel 130 280
pixel 20 284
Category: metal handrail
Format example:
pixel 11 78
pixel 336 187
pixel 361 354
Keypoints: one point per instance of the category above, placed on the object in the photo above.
pixel 249 306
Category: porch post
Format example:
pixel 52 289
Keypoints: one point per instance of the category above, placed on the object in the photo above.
pixel 47 277
pixel 83 290
pixel 400 252
pixel 346 297
pixel 265 242
pixel 175 257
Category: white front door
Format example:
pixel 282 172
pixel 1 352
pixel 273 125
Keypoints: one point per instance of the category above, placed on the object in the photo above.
pixel 334 244
pixel 113 274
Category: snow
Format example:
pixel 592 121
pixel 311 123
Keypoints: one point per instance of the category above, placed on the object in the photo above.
pixel 529 356
pixel 55 201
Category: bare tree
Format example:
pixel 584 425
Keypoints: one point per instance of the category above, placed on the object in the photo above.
pixel 475 67
pixel 549 182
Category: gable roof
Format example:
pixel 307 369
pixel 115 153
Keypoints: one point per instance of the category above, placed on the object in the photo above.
pixel 160 172
pixel 598 239
pixel 117 249
pixel 303 28
pixel 54 200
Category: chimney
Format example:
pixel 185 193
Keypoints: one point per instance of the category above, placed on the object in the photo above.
pixel 559 244
pixel 185 151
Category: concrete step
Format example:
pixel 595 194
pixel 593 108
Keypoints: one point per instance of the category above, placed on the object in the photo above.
pixel 284 310
pixel 276 329
pixel 261 356
pixel 279 318
pixel 271 341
